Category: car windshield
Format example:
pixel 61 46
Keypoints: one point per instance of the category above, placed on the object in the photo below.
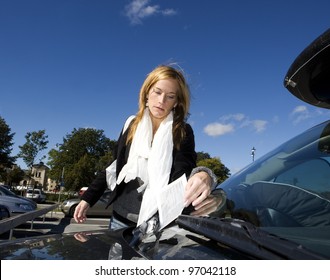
pixel 287 191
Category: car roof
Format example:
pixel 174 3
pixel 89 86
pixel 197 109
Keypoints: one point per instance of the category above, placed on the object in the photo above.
pixel 308 76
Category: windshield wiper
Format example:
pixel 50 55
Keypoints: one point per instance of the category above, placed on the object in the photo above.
pixel 245 237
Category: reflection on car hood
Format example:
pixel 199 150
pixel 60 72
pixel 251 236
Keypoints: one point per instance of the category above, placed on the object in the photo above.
pixel 96 246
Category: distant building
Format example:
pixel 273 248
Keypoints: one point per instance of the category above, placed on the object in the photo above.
pixel 37 177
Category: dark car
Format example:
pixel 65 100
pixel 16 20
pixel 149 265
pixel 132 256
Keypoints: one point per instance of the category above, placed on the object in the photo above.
pixel 276 208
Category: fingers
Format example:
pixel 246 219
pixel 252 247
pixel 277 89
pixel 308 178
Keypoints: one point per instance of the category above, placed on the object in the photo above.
pixel 196 198
pixel 197 189
pixel 208 206
pixel 80 213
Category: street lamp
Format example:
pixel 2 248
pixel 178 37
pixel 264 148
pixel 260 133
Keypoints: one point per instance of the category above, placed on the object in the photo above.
pixel 253 150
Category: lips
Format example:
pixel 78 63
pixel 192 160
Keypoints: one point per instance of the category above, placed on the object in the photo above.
pixel 159 108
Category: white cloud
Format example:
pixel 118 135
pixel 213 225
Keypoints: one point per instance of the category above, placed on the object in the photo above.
pixel 236 117
pixel 217 129
pixel 299 114
pixel 169 12
pixel 256 125
pixel 229 123
pixel 299 109
pixel 302 113
pixel 259 125
pixel 138 10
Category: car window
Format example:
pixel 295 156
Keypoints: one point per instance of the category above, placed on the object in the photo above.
pixel 312 175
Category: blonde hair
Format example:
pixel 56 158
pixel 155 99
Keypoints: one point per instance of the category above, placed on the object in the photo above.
pixel 181 111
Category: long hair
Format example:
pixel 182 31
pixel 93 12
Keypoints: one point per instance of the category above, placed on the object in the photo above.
pixel 181 111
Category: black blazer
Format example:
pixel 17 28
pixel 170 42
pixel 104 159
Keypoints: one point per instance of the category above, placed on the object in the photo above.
pixel 184 160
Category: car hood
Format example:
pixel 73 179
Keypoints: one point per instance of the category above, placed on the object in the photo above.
pixel 191 238
pixel 176 243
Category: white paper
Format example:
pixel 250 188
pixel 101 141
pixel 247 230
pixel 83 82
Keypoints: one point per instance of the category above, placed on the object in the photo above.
pixel 170 201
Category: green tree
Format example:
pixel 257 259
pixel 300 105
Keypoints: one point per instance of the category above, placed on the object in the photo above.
pixel 36 142
pixel 14 176
pixel 218 168
pixel 83 153
pixel 6 143
pixel 202 155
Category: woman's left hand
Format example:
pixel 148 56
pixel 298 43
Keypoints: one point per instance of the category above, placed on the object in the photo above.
pixel 208 206
pixel 197 189
pixel 198 194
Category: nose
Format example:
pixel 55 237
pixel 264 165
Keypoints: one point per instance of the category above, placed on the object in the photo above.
pixel 162 98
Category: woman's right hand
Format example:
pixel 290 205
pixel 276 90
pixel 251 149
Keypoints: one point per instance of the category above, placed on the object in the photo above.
pixel 80 213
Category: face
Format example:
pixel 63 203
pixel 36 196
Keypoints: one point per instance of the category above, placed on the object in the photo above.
pixel 162 98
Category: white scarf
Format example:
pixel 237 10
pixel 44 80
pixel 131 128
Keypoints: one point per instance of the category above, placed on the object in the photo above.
pixel 150 159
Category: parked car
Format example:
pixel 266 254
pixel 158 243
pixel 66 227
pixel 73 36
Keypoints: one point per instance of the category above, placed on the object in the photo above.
pixel 278 207
pixel 99 209
pixel 36 195
pixel 15 204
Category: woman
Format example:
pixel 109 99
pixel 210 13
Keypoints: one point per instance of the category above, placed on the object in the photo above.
pixel 155 148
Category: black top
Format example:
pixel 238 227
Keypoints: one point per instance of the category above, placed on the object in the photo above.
pixel 125 198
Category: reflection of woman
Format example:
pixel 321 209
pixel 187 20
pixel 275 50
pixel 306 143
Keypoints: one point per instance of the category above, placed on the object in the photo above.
pixel 156 147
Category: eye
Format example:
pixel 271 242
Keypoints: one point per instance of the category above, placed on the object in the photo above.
pixel 171 97
pixel 157 91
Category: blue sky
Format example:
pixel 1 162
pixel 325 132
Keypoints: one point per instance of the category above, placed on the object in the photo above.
pixel 67 64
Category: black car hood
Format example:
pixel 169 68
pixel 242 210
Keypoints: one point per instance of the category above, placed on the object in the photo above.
pixel 175 243
pixel 308 76
pixel 196 238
